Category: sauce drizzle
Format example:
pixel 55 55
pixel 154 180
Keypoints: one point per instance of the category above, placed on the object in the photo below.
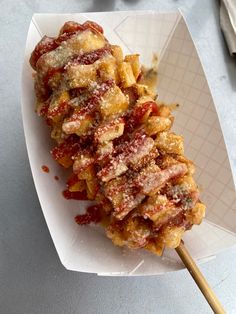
pixel 92 215
pixel 45 169
pixel 81 196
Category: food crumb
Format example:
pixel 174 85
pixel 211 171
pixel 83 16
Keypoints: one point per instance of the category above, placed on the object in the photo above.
pixel 45 169
pixel 56 178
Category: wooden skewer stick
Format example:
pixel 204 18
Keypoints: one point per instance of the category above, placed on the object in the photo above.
pixel 199 279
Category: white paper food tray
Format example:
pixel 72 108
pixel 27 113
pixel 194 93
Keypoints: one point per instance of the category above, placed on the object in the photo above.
pixel 182 80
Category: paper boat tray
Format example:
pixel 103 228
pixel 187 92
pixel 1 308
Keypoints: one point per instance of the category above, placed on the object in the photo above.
pixel 182 80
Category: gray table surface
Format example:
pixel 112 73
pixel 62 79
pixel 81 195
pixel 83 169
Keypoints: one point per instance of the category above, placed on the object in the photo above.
pixel 32 280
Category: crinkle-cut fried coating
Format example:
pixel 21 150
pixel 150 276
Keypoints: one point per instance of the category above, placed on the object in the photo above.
pixel 116 139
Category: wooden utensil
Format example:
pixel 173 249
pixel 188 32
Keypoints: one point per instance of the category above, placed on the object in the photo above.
pixel 199 279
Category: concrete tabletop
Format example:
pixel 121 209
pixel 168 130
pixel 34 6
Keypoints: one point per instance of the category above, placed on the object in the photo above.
pixel 32 279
